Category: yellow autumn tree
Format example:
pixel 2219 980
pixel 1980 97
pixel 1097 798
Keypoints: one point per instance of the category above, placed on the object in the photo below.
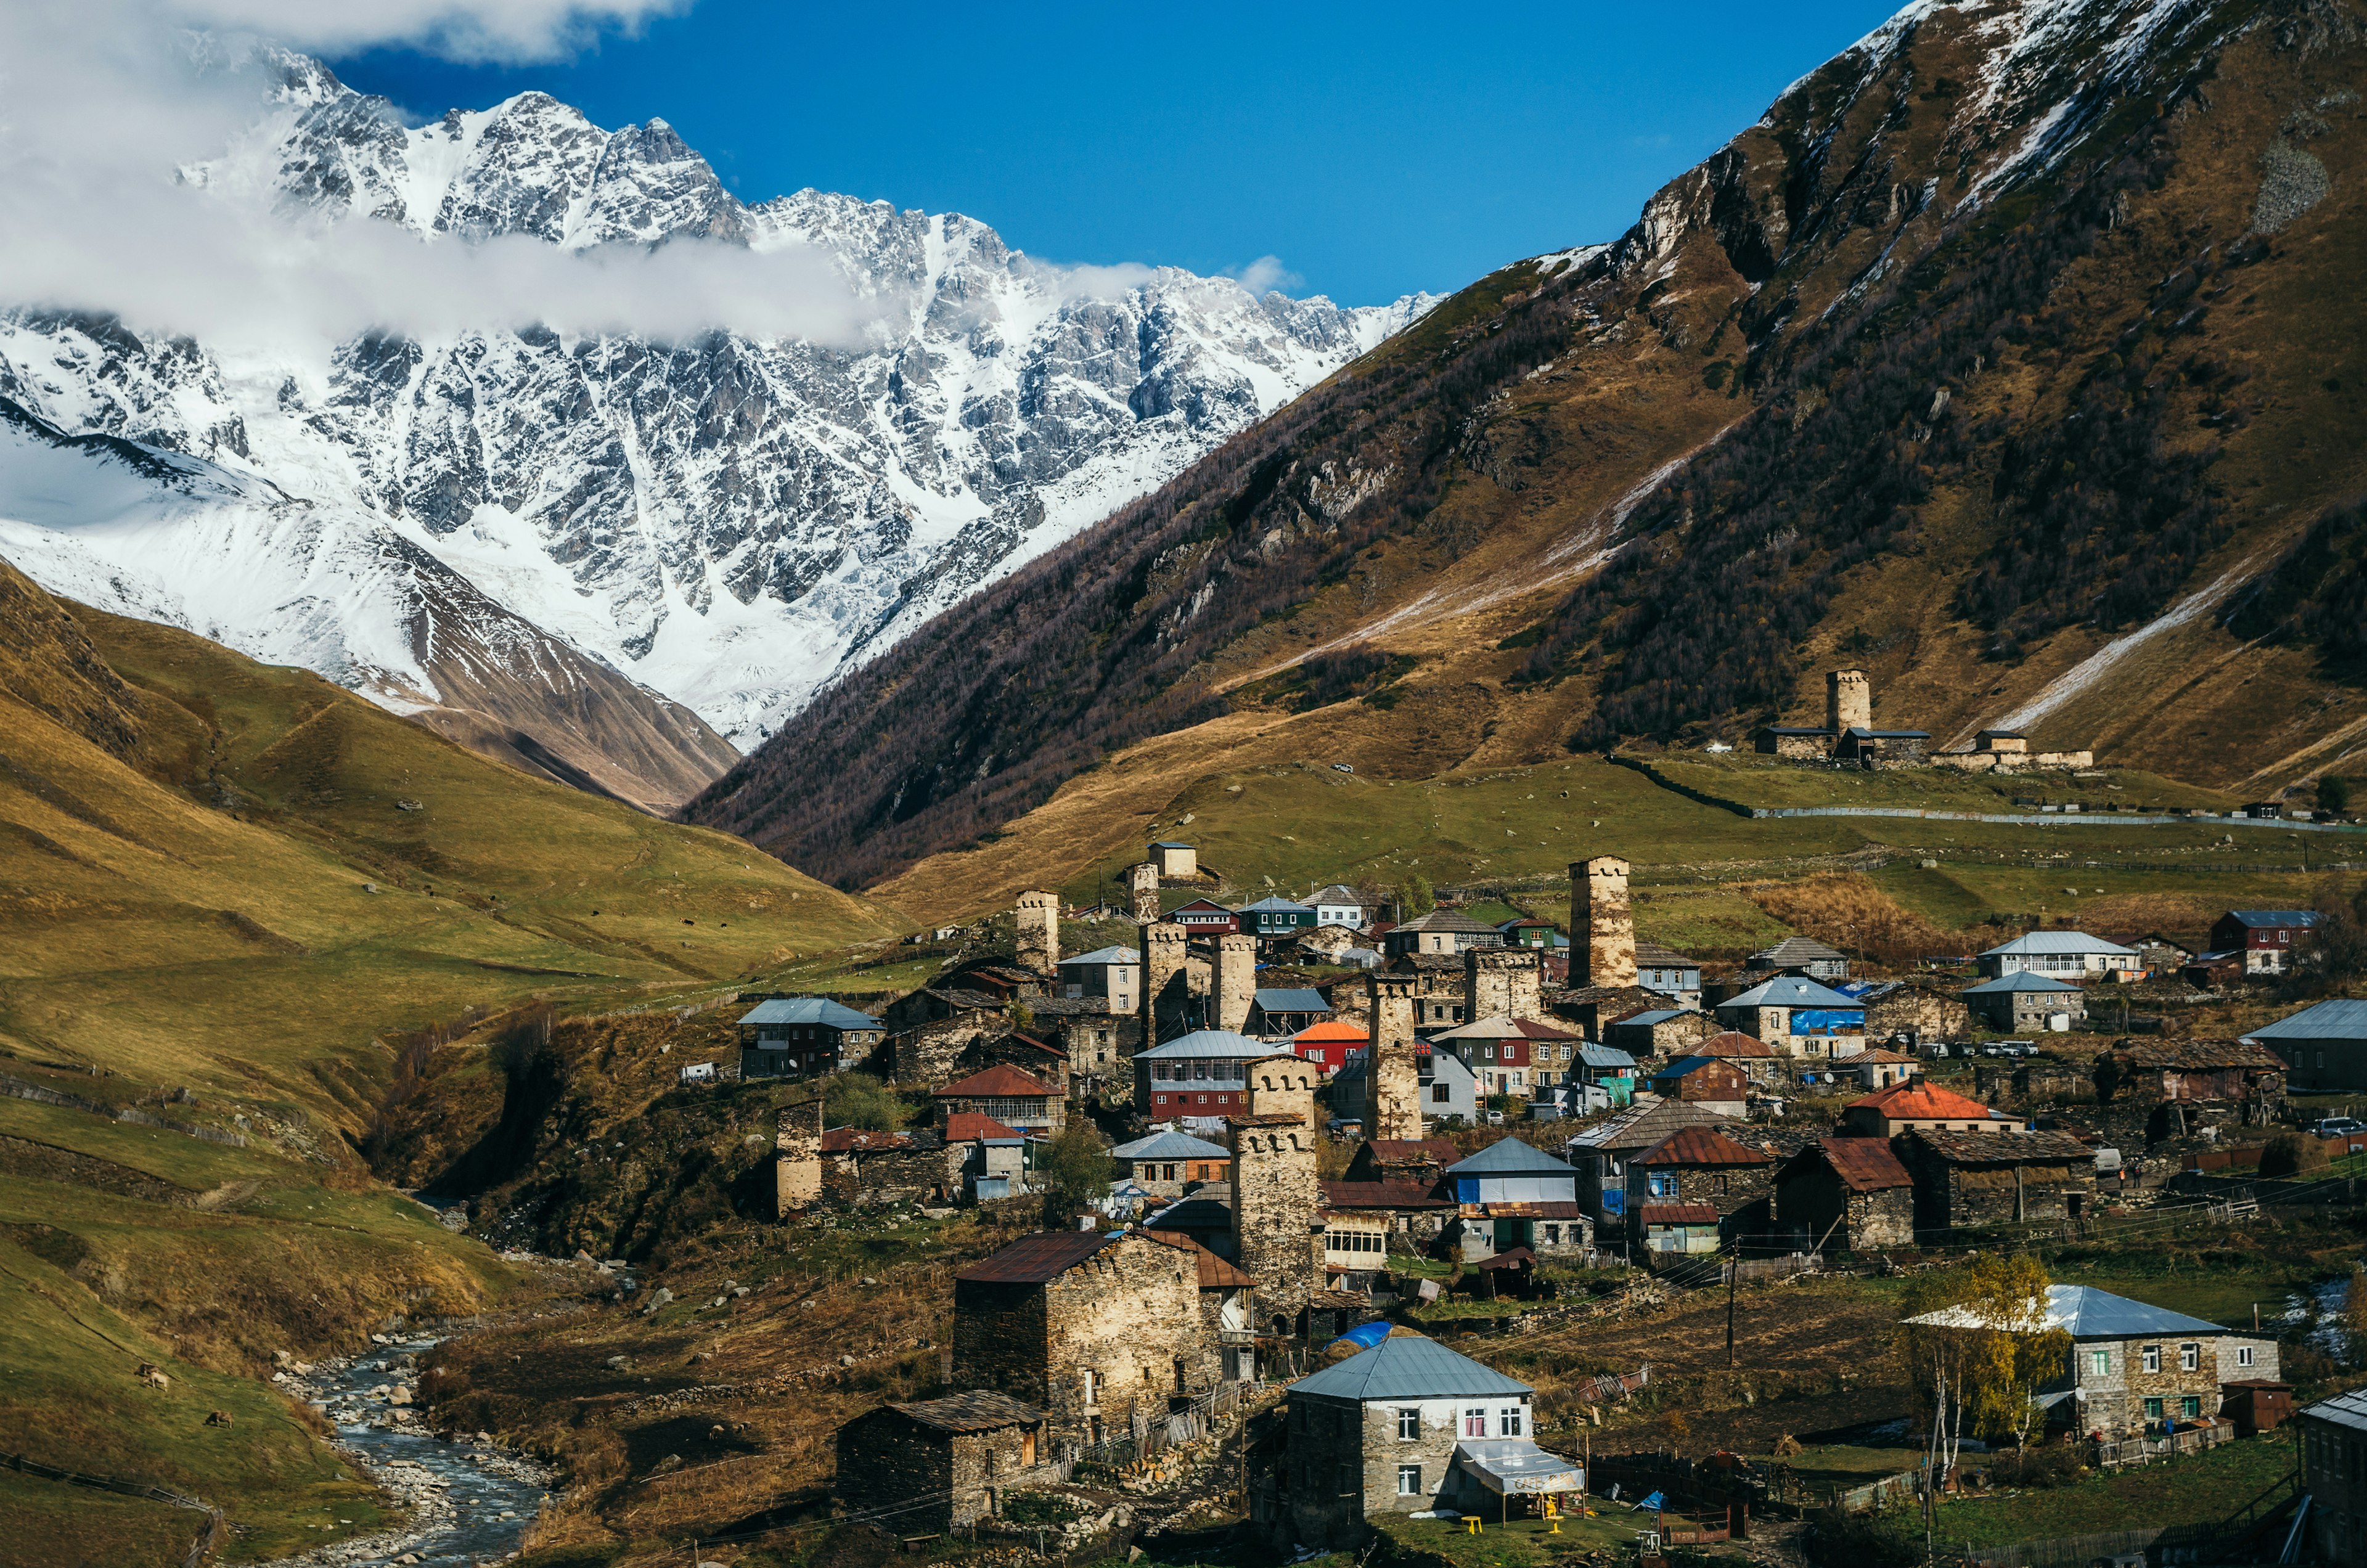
pixel 1978 1349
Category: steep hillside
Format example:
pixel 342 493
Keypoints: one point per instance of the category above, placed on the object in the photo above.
pixel 1999 358
pixel 238 878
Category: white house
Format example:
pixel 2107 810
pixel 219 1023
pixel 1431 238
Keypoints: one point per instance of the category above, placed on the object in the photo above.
pixel 1338 906
pixel 1111 972
pixel 2060 954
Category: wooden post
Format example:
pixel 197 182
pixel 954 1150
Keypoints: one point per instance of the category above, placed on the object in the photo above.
pixel 1733 1281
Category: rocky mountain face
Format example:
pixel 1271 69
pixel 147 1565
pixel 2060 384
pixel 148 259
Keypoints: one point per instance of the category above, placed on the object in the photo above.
pixel 717 523
pixel 2004 357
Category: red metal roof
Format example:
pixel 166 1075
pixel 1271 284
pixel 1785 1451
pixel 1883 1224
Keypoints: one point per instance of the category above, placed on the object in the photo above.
pixel 1379 1195
pixel 1215 1274
pixel 968 1127
pixel 1865 1164
pixel 1702 1146
pixel 1531 1029
pixel 862 1140
pixel 1000 1081
pixel 1916 1100
pixel 1676 1214
pixel 1732 1043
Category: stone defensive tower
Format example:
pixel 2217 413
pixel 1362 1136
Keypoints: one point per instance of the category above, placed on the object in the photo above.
pixel 1282 1084
pixel 1277 1240
pixel 1038 945
pixel 796 1158
pixel 1392 1078
pixel 1142 882
pixel 1602 929
pixel 1166 989
pixel 1236 980
pixel 1501 982
pixel 1849 701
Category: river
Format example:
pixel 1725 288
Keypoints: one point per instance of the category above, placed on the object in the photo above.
pixel 465 1503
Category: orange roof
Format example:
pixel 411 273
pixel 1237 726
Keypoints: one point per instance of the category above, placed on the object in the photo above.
pixel 1916 1100
pixel 1332 1029
pixel 963 1127
pixel 1215 1274
pixel 1701 1145
pixel 1732 1043
pixel 1001 1081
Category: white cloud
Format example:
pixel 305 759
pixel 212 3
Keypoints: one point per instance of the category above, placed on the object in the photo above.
pixel 1266 274
pixel 508 31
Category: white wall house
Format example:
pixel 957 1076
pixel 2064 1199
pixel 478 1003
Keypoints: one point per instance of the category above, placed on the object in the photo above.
pixel 2058 955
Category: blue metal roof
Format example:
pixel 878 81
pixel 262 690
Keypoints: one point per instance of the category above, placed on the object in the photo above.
pixel 1208 1042
pixel 1172 1145
pixel 1105 955
pixel 1595 1056
pixel 2056 942
pixel 1292 1000
pixel 2338 1019
pixel 1407 1366
pixel 1510 1156
pixel 2016 980
pixel 1646 1020
pixel 809 1010
pixel 1171 844
pixel 2273 917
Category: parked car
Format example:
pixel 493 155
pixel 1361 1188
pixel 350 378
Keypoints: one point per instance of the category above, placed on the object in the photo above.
pixel 1341 768
pixel 2338 1126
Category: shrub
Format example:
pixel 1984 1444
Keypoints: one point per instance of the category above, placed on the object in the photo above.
pixel 2334 795
pixel 858 1100
pixel 2290 1154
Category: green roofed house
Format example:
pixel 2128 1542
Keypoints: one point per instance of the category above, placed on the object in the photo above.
pixel 789 1037
pixel 1406 1426
pixel 1275 918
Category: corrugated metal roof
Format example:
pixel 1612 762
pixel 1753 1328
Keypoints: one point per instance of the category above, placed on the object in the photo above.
pixel 1379 1195
pixel 1917 1101
pixel 2273 917
pixel 2339 1019
pixel 1606 1057
pixel 809 1010
pixel 970 1126
pixel 1292 999
pixel 1733 1043
pixel 1795 949
pixel 1652 955
pixel 1510 1156
pixel 1702 1146
pixel 1170 1145
pixel 1033 1260
pixel 1676 1214
pixel 2018 981
pixel 1105 955
pixel 2343 1409
pixel 1647 1019
pixel 1646 1125
pixel 1407 1366
pixel 1001 1081
pixel 1275 907
pixel 2055 943
pixel 1864 1165
pixel 2086 1312
pixel 1208 1042
pixel 1789 991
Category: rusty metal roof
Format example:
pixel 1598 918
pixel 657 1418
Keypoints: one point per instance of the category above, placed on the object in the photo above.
pixel 1000 1081
pixel 1034 1259
pixel 968 1127
pixel 981 1410
pixel 1916 1100
pixel 1733 1043
pixel 1702 1146
pixel 1380 1195
pixel 1676 1214
pixel 1215 1274
pixel 863 1140
pixel 1864 1165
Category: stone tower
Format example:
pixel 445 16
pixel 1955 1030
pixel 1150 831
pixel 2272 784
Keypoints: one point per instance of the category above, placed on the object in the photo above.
pixel 1166 989
pixel 1392 1078
pixel 1501 982
pixel 1236 980
pixel 1849 701
pixel 1142 882
pixel 1277 1240
pixel 796 1158
pixel 1601 930
pixel 1039 932
pixel 1282 1084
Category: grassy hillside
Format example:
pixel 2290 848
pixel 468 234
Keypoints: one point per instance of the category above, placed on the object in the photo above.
pixel 1868 387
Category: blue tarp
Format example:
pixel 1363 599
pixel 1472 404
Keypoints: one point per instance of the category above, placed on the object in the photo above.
pixel 1367 1335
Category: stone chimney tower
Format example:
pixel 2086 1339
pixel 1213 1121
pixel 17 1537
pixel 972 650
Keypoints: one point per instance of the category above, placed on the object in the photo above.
pixel 1501 982
pixel 1601 930
pixel 1392 1078
pixel 1166 990
pixel 1236 980
pixel 1277 1240
pixel 1039 932
pixel 1849 701
pixel 1143 882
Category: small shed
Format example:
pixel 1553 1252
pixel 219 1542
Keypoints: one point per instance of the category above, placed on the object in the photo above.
pixel 2256 1405
pixel 1176 860
pixel 955 1454
pixel 1706 1081
pixel 1167 1164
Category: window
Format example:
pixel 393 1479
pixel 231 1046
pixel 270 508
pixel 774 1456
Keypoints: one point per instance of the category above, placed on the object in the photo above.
pixel 1507 1421
pixel 2153 1409
pixel 1553 1234
pixel 2189 1358
pixel 1475 1422
pixel 1409 1425
pixel 1661 1183
pixel 2153 1360
pixel 2100 1362
pixel 1438 1094
pixel 1085 1380
pixel 2243 1355
pixel 2191 1405
pixel 1408 1481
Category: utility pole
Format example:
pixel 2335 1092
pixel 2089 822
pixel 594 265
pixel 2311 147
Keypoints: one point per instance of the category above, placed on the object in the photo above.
pixel 1733 1281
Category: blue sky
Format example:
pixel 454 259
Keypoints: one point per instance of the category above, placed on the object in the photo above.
pixel 1375 149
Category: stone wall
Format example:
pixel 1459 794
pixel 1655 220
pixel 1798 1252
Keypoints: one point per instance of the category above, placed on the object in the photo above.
pixel 1849 699
pixel 886 1459
pixel 1392 1076
pixel 1912 1008
pixel 893 1177
pixel 1277 1240
pixel 1236 980
pixel 1283 1085
pixel 1501 982
pixel 1603 925
pixel 1166 989
pixel 796 1158
pixel 927 1052
pixel 1142 885
pixel 1037 946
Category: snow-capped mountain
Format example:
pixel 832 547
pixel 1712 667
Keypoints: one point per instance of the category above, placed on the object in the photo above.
pixel 727 518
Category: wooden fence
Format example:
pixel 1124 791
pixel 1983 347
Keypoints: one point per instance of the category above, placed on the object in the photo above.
pixel 2144 1450
pixel 210 1537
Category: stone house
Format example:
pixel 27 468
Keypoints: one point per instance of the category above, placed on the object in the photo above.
pixel 1497 1052
pixel 1406 1426
pixel 1012 1098
pixel 800 1036
pixel 1505 1194
pixel 2324 1047
pixel 1757 1058
pixel 2334 1474
pixel 1919 1106
pixel 1553 1054
pixel 1914 1012
pixel 1112 973
pixel 1449 931
pixel 956 1455
pixel 1876 1068
pixel 1706 1081
pixel 2237 1071
pixel 863 1168
pixel 1703 1164
pixel 1849 1193
pixel 1601 1154
pixel 796 1158
pixel 928 1030
pixel 1278 1235
pixel 994 1157
pixel 1031 1053
pixel 1798 1017
pixel 1420 1160
pixel 2133 1366
pixel 1099 1042
pixel 1965 1180
pixel 1593 1009
pixel 1093 1328
pixel 1804 954
pixel 1409 1210
pixel 2024 1003
pixel 1168 1165
pixel 1666 1032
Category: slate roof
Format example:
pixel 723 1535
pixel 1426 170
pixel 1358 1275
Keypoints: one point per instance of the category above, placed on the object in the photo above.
pixel 1448 921
pixel 2339 1019
pixel 1407 1366
pixel 1335 895
pixel 2005 1149
pixel 865 1141
pixel 1646 1125
pixel 1207 1043
pixel 1652 955
pixel 1380 1195
pixel 1510 1156
pixel 1789 991
pixel 1105 955
pixel 965 1000
pixel 1794 949
pixel 980 1410
pixel 1033 1260
pixel 2019 981
pixel 1496 1028
pixel 2032 943
pixel 1702 1146
pixel 1001 1081
pixel 1068 1007
pixel 1172 1145
pixel 1292 999
pixel 809 1010
pixel 1440 1152
pixel 968 1127
pixel 1676 1214
pixel 2201 1055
